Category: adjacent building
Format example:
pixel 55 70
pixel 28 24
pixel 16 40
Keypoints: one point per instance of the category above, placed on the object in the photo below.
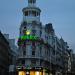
pixel 13 52
pixel 5 57
pixel 66 57
pixel 73 64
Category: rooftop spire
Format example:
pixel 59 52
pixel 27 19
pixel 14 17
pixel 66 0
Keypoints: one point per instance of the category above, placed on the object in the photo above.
pixel 31 2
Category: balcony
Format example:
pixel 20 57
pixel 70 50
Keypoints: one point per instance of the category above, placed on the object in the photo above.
pixel 31 57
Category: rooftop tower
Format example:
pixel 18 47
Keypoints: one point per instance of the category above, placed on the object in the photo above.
pixel 31 12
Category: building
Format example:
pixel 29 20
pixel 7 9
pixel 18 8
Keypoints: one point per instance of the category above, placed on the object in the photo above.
pixel 73 64
pixel 34 50
pixel 13 52
pixel 5 57
pixel 13 47
pixel 41 52
pixel 66 57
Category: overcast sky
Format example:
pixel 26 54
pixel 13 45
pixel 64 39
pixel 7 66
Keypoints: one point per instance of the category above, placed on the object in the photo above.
pixel 61 13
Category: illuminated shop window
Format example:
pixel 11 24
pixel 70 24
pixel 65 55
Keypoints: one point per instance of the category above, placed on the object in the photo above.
pixel 38 73
pixel 27 73
pixel 32 72
pixel 21 73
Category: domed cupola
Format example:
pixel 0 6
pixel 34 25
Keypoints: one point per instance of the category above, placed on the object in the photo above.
pixel 31 12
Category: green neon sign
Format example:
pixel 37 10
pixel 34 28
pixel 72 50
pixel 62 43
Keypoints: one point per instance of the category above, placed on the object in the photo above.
pixel 29 37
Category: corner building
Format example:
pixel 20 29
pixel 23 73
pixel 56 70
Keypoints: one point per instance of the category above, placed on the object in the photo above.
pixel 36 44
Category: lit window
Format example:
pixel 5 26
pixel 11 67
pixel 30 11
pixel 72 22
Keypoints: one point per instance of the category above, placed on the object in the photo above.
pixel 37 73
pixel 32 72
pixel 21 73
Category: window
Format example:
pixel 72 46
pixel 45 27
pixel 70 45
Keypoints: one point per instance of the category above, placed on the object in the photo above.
pixel 26 13
pixel 33 53
pixel 40 48
pixel 32 1
pixel 37 13
pixel 40 51
pixel 33 32
pixel 33 62
pixel 46 37
pixel 24 23
pixel 33 44
pixel 33 47
pixel 47 52
pixel 34 13
pixel 25 27
pixel 24 31
pixel 53 52
pixel 23 61
pixel 24 52
pixel 40 33
pixel 30 13
pixel 21 73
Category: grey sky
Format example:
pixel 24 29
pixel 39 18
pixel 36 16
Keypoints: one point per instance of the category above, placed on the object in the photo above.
pixel 59 12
